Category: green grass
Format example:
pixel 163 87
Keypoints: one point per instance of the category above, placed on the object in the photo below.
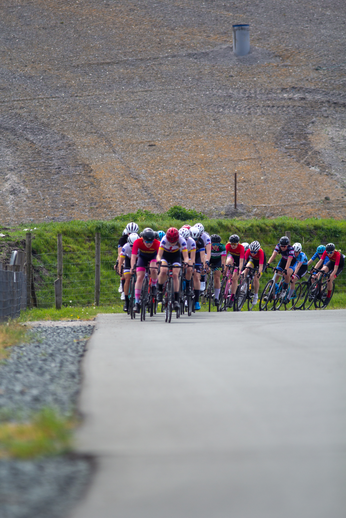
pixel 11 333
pixel 47 434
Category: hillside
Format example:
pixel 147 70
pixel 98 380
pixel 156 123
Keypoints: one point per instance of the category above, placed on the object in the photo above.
pixel 112 106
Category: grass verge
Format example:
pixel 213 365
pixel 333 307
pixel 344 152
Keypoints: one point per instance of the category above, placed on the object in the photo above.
pixel 46 435
pixel 11 333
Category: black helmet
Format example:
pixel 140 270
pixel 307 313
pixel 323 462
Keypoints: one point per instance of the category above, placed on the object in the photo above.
pixel 148 234
pixel 284 241
pixel 215 238
pixel 234 238
pixel 330 247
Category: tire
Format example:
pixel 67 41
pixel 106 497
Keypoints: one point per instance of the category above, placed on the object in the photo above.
pixel 131 296
pixel 241 295
pixel 295 296
pixel 250 295
pixel 312 294
pixel 210 291
pixel 223 297
pixel 170 296
pixel 266 300
pixel 304 288
pixel 144 297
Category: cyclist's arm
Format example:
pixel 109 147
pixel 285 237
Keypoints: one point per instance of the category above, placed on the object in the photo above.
pixel 208 252
pixel 272 257
pixel 192 259
pixel 185 256
pixel 133 261
pixel 203 257
pixel 121 262
pixel 318 265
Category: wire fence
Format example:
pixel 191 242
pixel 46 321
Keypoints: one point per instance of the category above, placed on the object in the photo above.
pixel 13 291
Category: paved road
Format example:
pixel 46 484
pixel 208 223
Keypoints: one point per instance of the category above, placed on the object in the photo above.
pixel 216 416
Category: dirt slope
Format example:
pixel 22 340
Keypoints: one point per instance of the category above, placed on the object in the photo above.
pixel 110 106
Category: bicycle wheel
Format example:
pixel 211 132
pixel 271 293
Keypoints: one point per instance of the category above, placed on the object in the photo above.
pixel 304 288
pixel 250 295
pixel 295 297
pixel 241 295
pixel 169 305
pixel 267 300
pixel 280 299
pixel 210 290
pixel 223 294
pixel 144 297
pixel 313 293
pixel 131 296
pixel 324 299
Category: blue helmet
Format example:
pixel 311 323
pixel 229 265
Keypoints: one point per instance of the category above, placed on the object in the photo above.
pixel 320 249
pixel 161 234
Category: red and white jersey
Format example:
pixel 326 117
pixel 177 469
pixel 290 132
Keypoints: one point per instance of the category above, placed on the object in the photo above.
pixel 180 245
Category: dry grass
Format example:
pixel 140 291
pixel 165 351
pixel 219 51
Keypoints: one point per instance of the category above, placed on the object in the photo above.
pixel 11 333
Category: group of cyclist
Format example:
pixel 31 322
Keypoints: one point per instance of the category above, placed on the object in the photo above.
pixel 197 252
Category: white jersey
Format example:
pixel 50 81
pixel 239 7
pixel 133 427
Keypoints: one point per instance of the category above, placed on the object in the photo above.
pixel 126 251
pixel 180 245
pixel 206 238
pixel 191 244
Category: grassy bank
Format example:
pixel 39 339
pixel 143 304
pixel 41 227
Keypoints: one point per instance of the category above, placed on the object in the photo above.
pixel 79 248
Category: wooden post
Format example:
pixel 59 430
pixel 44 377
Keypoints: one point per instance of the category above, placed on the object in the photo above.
pixel 288 234
pixel 235 190
pixel 97 268
pixel 28 251
pixel 58 282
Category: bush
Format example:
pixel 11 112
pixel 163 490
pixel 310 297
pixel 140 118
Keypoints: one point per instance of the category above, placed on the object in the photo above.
pixel 178 212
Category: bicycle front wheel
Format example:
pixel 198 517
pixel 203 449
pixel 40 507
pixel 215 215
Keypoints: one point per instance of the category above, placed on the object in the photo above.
pixel 241 295
pixel 304 289
pixel 313 293
pixel 267 297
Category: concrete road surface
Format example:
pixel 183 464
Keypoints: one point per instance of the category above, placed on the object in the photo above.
pixel 216 416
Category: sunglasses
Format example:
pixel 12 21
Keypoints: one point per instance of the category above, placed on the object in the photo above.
pixel 148 242
pixel 330 253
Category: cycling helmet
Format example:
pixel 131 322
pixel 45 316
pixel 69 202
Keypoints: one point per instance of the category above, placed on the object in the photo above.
pixel 184 232
pixel 194 231
pixel 172 235
pixel 201 227
pixel 234 238
pixel 161 234
pixel 320 249
pixel 284 241
pixel 125 232
pixel 148 234
pixel 187 226
pixel 330 247
pixel 246 246
pixel 215 238
pixel 297 247
pixel 254 247
pixel 132 238
pixel 132 228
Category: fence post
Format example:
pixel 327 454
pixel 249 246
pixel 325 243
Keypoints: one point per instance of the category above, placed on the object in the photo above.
pixel 235 190
pixel 28 251
pixel 288 234
pixel 58 282
pixel 97 268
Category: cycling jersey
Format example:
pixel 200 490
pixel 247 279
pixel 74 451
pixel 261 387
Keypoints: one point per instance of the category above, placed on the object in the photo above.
pixel 139 248
pixel 237 253
pixel 218 250
pixel 318 256
pixel 200 247
pixel 122 241
pixel 289 252
pixel 259 258
pixel 180 246
pixel 335 258
pixel 205 238
pixel 191 244
pixel 126 251
pixel 301 258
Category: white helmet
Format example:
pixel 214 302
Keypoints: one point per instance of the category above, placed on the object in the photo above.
pixel 184 232
pixel 254 247
pixel 195 232
pixel 132 238
pixel 132 228
pixel 125 232
pixel 201 227
pixel 246 246
pixel 297 247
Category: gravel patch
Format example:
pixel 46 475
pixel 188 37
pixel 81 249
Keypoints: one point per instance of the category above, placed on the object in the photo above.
pixel 43 372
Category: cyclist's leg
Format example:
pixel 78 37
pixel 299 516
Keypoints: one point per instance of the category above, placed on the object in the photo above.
pixel 162 277
pixel 197 284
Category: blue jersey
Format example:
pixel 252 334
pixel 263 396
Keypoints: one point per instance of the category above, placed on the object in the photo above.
pixel 302 258
pixel 318 256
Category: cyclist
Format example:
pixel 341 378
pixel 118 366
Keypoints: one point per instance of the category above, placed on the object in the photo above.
pixel 161 234
pixel 185 233
pixel 287 261
pixel 255 257
pixel 125 257
pixel 334 266
pixel 172 246
pixel 217 263
pixel 129 229
pixel 235 258
pixel 207 245
pixel 318 254
pixel 246 248
pixel 300 268
pixel 199 263
pixel 144 251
